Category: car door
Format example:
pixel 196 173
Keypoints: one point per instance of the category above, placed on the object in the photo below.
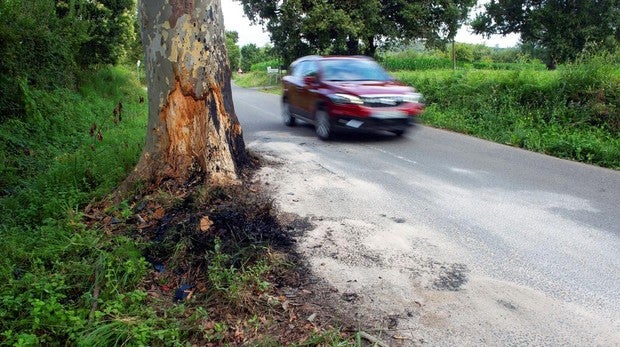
pixel 308 93
pixel 296 88
pixel 293 86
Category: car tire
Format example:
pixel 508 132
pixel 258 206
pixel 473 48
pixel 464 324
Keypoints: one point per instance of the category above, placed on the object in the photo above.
pixel 287 118
pixel 323 125
pixel 398 132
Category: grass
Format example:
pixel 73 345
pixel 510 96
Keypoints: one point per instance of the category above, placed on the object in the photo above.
pixel 260 80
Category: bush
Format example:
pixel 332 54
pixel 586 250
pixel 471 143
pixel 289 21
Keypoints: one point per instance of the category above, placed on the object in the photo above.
pixel 571 113
pixel 414 61
pixel 262 66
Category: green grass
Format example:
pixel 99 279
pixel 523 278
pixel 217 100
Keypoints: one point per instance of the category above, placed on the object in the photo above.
pixel 259 80
pixel 51 261
pixel 572 113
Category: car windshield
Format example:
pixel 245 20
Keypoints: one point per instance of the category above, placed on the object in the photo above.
pixel 352 70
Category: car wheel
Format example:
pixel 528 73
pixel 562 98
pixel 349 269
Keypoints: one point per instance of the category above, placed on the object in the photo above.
pixel 398 132
pixel 287 118
pixel 322 125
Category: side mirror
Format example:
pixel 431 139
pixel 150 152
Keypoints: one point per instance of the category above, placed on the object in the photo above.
pixel 310 79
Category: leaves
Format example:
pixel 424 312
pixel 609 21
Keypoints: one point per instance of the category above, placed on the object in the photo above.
pixel 562 28
pixel 354 27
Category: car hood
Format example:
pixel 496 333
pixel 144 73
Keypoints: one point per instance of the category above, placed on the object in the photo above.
pixel 366 88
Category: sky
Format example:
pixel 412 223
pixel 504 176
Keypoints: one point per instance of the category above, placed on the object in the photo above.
pixel 235 20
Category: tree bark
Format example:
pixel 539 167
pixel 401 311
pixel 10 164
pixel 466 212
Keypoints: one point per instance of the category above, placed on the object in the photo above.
pixel 192 126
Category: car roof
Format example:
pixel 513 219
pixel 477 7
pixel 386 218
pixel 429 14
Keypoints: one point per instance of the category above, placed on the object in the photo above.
pixel 329 57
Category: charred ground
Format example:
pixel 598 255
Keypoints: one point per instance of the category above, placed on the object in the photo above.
pixel 226 258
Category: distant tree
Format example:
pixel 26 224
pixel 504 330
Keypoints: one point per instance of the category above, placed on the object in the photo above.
pixel 192 131
pixel 234 53
pixel 561 28
pixel 299 27
pixel 250 55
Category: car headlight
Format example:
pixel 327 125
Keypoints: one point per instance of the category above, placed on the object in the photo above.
pixel 345 99
pixel 413 97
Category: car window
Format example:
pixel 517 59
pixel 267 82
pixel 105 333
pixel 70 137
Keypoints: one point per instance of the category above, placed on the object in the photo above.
pixel 353 70
pixel 305 68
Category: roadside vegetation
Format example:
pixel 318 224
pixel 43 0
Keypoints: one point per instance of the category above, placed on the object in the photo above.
pixel 86 267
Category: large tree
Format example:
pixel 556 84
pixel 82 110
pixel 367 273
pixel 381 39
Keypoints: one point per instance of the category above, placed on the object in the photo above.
pixel 299 27
pixel 192 127
pixel 562 28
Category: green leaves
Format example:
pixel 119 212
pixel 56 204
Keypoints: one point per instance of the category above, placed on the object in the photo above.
pixel 562 28
pixel 300 27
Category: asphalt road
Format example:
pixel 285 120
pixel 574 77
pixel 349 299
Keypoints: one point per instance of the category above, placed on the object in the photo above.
pixel 451 239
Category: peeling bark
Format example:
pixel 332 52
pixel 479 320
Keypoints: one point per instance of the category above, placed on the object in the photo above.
pixel 192 123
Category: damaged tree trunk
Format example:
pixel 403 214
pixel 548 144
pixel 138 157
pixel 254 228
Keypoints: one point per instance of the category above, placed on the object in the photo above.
pixel 192 126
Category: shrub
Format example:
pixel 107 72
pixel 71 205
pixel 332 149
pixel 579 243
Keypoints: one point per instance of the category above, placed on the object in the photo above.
pixel 571 113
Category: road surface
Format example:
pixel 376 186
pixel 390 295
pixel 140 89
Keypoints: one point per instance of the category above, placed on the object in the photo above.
pixel 442 239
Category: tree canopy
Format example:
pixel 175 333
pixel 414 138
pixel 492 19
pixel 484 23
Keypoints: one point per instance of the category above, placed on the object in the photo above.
pixel 562 29
pixel 300 27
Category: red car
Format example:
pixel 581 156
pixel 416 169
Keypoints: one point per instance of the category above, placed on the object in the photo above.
pixel 351 92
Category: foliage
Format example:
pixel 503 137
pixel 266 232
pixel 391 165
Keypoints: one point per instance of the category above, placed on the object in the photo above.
pixel 563 29
pixel 44 43
pixel 234 54
pixel 467 56
pixel 269 83
pixel 111 32
pixel 51 167
pixel 38 45
pixel 301 27
pixel 63 147
pixel 251 54
pixel 571 113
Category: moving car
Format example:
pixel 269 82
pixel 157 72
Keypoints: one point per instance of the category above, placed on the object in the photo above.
pixel 351 92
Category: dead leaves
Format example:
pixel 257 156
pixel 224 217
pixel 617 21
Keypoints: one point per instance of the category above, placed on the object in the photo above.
pixel 205 224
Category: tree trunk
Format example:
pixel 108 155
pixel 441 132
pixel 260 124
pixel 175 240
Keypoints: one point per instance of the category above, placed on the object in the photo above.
pixel 192 126
pixel 371 47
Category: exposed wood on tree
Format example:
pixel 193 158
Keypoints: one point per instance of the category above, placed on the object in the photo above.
pixel 192 125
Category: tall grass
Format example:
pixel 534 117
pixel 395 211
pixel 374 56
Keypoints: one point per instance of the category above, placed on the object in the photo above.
pixel 414 61
pixel 571 113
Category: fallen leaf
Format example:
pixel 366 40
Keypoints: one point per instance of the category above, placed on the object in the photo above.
pixel 205 223
pixel 209 325
pixel 311 318
pixel 159 213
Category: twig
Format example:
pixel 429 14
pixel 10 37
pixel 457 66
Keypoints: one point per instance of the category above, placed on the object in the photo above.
pixel 96 291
